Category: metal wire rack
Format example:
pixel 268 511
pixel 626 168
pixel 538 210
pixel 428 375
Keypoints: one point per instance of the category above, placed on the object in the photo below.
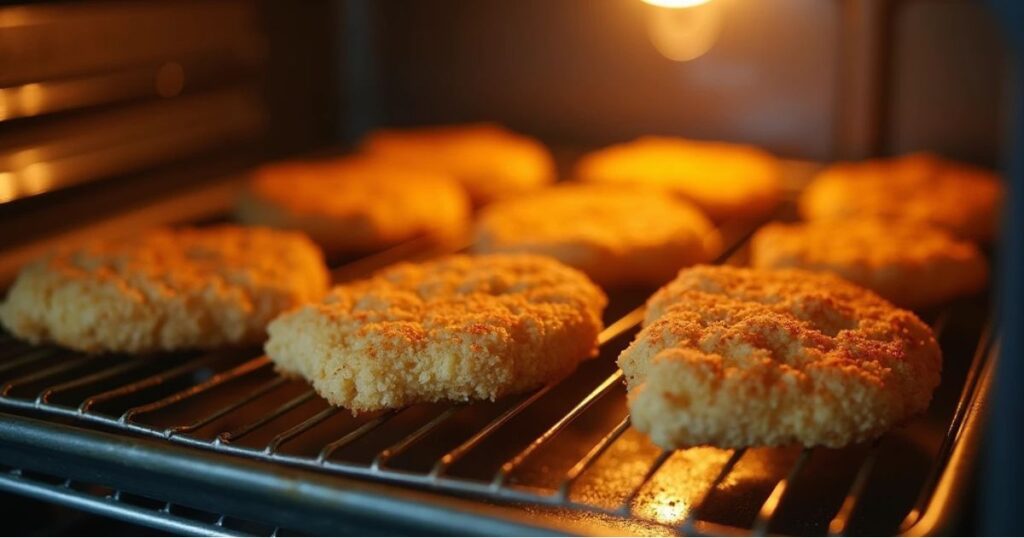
pixel 566 450
pixel 161 515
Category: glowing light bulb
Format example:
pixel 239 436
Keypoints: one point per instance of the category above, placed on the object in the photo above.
pixel 683 30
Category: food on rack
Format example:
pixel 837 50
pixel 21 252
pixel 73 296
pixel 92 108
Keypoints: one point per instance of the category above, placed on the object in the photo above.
pixel 490 161
pixel 617 236
pixel 736 357
pixel 355 204
pixel 725 180
pixel 958 197
pixel 163 290
pixel 912 264
pixel 456 328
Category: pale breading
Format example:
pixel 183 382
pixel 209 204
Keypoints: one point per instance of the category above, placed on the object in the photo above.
pixel 490 161
pixel 961 198
pixel 617 236
pixel 457 328
pixel 725 180
pixel 912 264
pixel 736 357
pixel 355 204
pixel 163 290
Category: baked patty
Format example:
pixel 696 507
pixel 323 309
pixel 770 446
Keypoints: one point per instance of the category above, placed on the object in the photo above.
pixel 912 264
pixel 355 204
pixel 736 357
pixel 617 236
pixel 725 180
pixel 163 290
pixel 457 328
pixel 922 187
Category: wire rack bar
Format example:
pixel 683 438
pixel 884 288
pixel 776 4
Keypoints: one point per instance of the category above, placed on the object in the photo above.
pixel 771 504
pixel 58 368
pixel 353 436
pixel 401 446
pixel 841 521
pixel 299 428
pixel 626 508
pixel 233 406
pixel 246 429
pixel 621 325
pixel 688 525
pixel 145 383
pixel 458 452
pixel 590 458
pixel 30 356
pixel 44 396
pixel 219 379
pixel 110 506
pixel 615 329
pixel 512 464
pixel 954 429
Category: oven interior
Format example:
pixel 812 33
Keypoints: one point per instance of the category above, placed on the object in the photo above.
pixel 117 116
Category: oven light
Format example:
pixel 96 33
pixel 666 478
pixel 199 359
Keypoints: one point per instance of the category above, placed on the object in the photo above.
pixel 683 30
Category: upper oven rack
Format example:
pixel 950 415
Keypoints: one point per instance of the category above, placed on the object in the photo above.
pixel 32 381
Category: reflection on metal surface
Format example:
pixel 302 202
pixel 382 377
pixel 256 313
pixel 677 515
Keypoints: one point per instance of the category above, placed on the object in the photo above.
pixel 683 30
pixel 8 188
pixel 26 100
pixel 680 484
pixel 107 144
pixel 619 470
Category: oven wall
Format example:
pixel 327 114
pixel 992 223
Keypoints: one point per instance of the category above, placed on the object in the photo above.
pixel 585 72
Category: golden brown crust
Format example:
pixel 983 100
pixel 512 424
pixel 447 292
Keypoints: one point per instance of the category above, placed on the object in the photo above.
pixel 912 264
pixel 456 328
pixel 616 236
pixel 490 161
pixel 354 204
pixel 922 187
pixel 725 180
pixel 164 290
pixel 736 357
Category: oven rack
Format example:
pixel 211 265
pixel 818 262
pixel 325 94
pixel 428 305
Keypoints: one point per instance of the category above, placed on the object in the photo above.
pixel 160 515
pixel 33 379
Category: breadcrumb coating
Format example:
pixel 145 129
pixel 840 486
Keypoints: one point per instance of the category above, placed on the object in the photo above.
pixel 736 357
pixel 725 180
pixel 912 264
pixel 490 161
pixel 164 290
pixel 617 236
pixel 922 187
pixel 457 328
pixel 355 204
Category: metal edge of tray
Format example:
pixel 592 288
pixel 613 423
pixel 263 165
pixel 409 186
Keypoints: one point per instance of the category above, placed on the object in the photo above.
pixel 939 513
pixel 110 506
pixel 288 497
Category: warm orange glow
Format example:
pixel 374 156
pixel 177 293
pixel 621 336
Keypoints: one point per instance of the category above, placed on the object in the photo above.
pixel 683 30
pixel 8 187
pixel 674 4
pixel 26 100
pixel 680 484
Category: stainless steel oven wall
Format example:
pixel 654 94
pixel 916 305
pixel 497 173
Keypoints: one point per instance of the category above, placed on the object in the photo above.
pixel 586 72
pixel 104 105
